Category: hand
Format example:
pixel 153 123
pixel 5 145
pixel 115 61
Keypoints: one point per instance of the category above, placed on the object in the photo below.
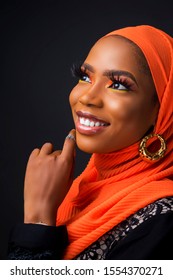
pixel 49 175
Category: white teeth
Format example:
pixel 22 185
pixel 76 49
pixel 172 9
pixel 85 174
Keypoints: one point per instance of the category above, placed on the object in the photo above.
pixel 91 124
pixel 87 122
pixel 82 121
pixel 97 124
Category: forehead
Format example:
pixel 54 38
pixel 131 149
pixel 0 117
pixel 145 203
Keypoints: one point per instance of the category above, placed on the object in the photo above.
pixel 113 52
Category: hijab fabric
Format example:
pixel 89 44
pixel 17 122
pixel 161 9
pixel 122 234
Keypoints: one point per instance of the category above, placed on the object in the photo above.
pixel 114 186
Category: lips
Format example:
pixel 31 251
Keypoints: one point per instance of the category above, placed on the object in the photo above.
pixel 89 124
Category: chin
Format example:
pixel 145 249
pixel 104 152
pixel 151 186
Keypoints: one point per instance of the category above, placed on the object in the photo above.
pixel 90 148
pixel 85 148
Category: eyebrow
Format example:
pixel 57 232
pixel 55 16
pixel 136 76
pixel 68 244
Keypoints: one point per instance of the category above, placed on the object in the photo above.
pixel 110 73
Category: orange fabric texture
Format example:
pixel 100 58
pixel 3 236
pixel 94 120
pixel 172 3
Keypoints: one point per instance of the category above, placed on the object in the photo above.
pixel 114 186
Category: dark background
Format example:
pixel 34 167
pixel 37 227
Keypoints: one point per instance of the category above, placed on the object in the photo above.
pixel 40 40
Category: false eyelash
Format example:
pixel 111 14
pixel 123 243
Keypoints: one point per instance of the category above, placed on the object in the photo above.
pixel 121 80
pixel 76 70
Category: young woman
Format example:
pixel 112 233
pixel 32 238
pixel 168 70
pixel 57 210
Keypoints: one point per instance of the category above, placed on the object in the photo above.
pixel 121 206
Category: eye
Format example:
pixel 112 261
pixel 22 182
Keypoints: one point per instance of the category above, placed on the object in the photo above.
pixel 120 83
pixel 85 78
pixel 80 73
pixel 118 86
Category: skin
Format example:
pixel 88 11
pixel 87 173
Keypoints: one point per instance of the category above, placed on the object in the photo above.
pixel 49 175
pixel 128 113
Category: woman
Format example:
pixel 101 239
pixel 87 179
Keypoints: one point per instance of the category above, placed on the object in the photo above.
pixel 121 206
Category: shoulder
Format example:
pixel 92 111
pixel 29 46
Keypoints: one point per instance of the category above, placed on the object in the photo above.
pixel 149 233
pixel 153 211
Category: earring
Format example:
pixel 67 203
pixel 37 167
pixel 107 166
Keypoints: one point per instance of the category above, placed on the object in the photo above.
pixel 155 156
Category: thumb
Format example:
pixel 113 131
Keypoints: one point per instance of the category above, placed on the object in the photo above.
pixel 68 150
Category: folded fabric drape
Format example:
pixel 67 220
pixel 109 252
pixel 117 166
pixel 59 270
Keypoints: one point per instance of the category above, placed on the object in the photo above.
pixel 114 186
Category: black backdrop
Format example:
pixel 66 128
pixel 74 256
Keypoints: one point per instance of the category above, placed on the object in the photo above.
pixel 40 40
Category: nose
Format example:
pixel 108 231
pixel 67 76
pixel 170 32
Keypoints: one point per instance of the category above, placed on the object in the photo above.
pixel 92 97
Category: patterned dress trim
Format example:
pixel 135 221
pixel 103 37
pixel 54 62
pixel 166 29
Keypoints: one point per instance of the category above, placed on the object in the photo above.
pixel 100 249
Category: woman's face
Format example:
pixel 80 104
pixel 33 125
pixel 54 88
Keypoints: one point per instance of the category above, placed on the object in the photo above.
pixel 113 103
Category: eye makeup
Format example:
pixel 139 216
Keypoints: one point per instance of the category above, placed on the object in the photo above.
pixel 77 71
pixel 121 80
pixel 121 83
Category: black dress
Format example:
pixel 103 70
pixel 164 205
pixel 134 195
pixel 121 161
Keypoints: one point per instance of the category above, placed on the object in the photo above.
pixel 145 235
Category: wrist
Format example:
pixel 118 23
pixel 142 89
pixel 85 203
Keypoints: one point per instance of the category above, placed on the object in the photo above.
pixel 37 222
pixel 40 215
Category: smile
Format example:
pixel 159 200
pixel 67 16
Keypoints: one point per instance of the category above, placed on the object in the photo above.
pixel 89 124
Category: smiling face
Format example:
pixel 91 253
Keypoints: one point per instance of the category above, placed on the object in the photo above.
pixel 114 103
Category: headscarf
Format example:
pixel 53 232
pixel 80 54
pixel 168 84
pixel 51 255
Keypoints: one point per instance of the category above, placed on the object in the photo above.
pixel 116 185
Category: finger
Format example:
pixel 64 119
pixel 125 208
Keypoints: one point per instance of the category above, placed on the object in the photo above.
pixel 72 135
pixel 68 150
pixel 57 153
pixel 46 149
pixel 34 153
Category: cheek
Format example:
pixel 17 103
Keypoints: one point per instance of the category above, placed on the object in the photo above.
pixel 132 116
pixel 123 109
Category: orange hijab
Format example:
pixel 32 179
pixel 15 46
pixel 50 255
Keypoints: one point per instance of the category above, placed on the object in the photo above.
pixel 114 186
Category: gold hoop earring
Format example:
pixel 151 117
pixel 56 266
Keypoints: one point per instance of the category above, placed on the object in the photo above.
pixel 152 157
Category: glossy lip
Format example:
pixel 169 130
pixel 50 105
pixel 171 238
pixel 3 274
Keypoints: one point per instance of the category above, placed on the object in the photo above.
pixel 87 130
pixel 90 116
